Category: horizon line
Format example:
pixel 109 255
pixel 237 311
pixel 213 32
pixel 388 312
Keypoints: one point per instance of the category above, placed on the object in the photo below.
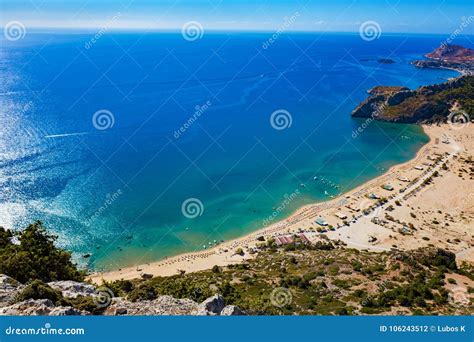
pixel 79 29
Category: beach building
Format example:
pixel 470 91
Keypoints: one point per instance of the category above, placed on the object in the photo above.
pixel 284 240
pixel 341 215
pixel 304 238
pixel 374 196
pixel 387 187
pixel 322 222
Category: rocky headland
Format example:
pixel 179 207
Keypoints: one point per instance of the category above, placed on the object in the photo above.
pixel 451 57
pixel 427 104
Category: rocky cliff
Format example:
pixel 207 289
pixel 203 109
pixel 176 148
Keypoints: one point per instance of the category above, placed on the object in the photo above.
pixel 10 289
pixel 449 56
pixel 426 104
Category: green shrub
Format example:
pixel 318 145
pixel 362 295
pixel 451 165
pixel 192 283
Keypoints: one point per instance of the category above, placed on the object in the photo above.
pixel 87 304
pixel 39 290
pixel 144 291
pixel 36 257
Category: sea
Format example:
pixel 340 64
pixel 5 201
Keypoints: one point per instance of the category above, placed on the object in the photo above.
pixel 135 146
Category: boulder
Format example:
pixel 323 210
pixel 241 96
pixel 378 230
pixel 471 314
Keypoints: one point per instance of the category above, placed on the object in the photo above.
pixel 8 284
pixel 39 307
pixel 73 289
pixel 9 288
pixel 30 307
pixel 232 310
pixel 120 311
pixel 163 305
pixel 66 311
pixel 211 306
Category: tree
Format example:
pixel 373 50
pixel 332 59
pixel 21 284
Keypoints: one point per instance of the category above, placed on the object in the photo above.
pixel 35 257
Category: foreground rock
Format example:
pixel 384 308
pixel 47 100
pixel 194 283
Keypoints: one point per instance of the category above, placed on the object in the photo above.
pixel 163 305
pixel 39 307
pixel 9 287
pixel 167 305
pixel 211 306
pixel 73 289
pixel 232 310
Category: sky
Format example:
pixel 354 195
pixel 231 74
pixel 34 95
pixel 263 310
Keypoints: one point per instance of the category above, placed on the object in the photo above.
pixel 404 16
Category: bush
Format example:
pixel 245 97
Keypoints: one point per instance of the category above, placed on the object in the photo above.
pixel 36 257
pixel 87 304
pixel 39 290
pixel 120 287
pixel 145 291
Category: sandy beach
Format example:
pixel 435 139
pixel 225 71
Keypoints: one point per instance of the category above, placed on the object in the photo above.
pixel 429 200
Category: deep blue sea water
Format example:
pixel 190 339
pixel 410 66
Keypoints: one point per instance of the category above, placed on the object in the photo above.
pixel 117 193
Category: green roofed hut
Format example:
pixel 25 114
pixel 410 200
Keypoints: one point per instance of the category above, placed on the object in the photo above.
pixel 322 222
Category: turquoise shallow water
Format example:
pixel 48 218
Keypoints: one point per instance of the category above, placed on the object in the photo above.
pixel 117 193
